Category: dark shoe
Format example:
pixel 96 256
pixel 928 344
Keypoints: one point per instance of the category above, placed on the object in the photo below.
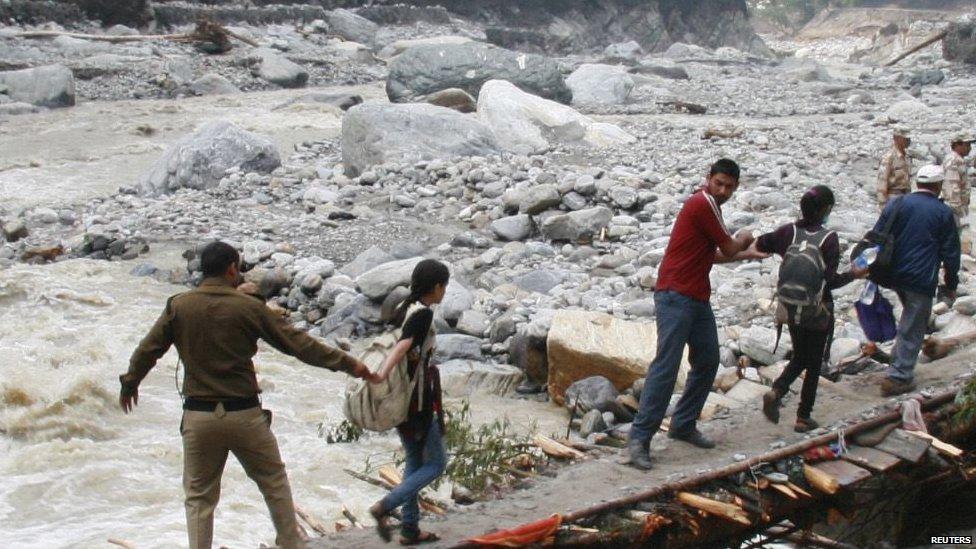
pixel 381 517
pixel 805 424
pixel 695 438
pixel 640 457
pixel 892 387
pixel 420 538
pixel 771 405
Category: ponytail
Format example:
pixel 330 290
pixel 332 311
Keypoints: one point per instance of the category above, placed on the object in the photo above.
pixel 426 276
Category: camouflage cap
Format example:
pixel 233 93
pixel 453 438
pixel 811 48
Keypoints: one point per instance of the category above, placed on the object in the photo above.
pixel 902 131
pixel 963 137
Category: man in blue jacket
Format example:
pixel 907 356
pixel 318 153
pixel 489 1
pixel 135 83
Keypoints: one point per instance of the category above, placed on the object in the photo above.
pixel 925 237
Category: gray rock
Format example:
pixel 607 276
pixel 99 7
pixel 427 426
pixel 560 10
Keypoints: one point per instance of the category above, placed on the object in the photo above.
pixel 529 354
pixel 513 228
pixel 473 323
pixel 49 86
pixel 379 281
pixel 425 69
pixel 316 266
pixel 538 198
pixel 539 280
pixel 268 65
pixel 930 77
pixel 965 305
pixel 461 378
pixel 144 269
pixel 372 257
pixel 199 161
pixel 592 422
pixel 344 101
pixel 623 52
pixel 353 27
pixel 311 283
pixel 392 301
pixel 503 327
pixel 256 251
pixel 457 299
pixel 374 133
pixel 213 84
pixel 624 197
pixel 16 108
pixel 353 51
pixel 575 225
pixel 600 84
pixel 14 230
pixel 757 343
pixel 592 393
pixel 663 69
pixel 457 346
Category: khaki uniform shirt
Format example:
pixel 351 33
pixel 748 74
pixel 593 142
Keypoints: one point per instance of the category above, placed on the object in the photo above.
pixel 215 329
pixel 955 189
pixel 894 175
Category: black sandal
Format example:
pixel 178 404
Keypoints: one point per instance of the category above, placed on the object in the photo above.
pixel 381 517
pixel 420 538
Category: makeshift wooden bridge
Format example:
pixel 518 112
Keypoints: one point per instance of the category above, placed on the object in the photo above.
pixel 776 495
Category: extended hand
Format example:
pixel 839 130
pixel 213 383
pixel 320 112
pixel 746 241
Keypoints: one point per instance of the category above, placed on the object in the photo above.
pixel 744 236
pixel 128 399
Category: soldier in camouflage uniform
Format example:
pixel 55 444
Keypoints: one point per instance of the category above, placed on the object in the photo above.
pixel 895 172
pixel 956 189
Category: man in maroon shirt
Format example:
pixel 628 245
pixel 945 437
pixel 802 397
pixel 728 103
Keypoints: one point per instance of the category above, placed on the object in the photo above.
pixel 683 314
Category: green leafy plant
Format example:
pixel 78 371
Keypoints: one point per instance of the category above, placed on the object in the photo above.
pixel 966 400
pixel 343 432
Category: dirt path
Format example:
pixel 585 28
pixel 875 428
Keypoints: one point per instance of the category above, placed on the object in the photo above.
pixel 594 481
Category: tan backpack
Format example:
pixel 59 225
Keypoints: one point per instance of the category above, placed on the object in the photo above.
pixel 382 406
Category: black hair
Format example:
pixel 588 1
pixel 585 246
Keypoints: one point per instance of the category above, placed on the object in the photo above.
pixel 426 276
pixel 815 203
pixel 216 257
pixel 726 166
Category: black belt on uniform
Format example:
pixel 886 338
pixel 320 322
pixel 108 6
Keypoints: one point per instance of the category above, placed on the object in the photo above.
pixel 230 405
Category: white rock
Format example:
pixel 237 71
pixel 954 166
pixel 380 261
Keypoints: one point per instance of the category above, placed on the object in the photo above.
pixel 460 378
pixel 600 84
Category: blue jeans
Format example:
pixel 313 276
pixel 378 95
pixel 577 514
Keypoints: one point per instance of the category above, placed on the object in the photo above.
pixel 426 460
pixel 914 321
pixel 680 321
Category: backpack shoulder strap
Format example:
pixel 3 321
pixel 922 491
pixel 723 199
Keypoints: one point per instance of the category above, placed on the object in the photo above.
pixel 895 210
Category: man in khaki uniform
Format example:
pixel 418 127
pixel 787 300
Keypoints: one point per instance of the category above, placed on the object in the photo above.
pixel 956 189
pixel 215 329
pixel 895 172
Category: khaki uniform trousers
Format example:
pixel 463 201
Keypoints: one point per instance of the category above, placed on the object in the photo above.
pixel 207 439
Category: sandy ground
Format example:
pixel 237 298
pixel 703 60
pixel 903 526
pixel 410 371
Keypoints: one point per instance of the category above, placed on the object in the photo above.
pixel 597 480
pixel 72 155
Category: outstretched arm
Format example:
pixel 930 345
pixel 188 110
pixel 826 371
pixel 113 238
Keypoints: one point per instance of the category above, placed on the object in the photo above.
pixel 738 248
pixel 394 358
pixel 150 350
pixel 289 340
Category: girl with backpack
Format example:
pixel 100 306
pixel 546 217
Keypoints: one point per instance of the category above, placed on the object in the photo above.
pixel 422 432
pixel 811 255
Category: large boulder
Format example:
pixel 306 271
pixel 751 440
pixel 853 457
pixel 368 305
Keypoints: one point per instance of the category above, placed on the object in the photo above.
pixel 379 281
pixel 462 378
pixel 592 393
pixel 213 84
pixel 425 69
pixel 199 161
pixel 907 110
pixel 269 65
pixel 377 133
pixel 600 84
pixel 400 46
pixel 573 226
pixel 582 344
pixel 527 124
pixel 352 27
pixel 457 346
pixel 513 228
pixel 48 86
pixel 759 344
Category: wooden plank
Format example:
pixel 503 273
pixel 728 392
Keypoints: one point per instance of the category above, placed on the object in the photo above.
pixel 846 474
pixel 901 444
pixel 870 458
pixel 943 447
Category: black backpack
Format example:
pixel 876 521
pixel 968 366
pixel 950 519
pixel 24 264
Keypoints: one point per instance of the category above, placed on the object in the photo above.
pixel 800 288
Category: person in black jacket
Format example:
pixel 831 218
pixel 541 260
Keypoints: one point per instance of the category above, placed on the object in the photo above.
pixel 423 431
pixel 809 343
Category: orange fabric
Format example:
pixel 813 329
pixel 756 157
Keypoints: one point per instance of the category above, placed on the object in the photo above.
pixel 820 453
pixel 527 534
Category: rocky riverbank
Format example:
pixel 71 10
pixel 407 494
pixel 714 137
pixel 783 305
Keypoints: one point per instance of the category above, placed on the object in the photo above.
pixel 548 180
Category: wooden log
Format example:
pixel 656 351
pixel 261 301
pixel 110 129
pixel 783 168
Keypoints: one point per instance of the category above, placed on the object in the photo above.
pixel 799 490
pixel 351 517
pixel 121 543
pixel 554 449
pixel 870 458
pixel 391 475
pixel 944 448
pixel 785 490
pixel 717 508
pixel 312 522
pixel 928 42
pixel 820 480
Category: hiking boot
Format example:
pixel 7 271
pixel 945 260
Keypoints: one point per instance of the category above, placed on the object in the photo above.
pixel 892 387
pixel 770 406
pixel 695 438
pixel 640 457
pixel 805 424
